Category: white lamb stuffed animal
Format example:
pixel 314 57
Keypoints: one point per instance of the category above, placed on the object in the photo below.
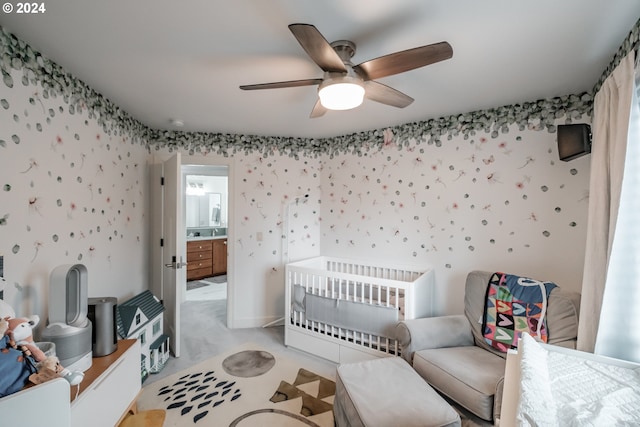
pixel 6 310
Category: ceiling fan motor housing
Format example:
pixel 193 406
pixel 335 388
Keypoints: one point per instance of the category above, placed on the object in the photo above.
pixel 345 50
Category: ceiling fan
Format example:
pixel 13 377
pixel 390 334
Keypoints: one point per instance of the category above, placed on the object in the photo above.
pixel 344 85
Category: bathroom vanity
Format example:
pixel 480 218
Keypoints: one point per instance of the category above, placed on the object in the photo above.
pixel 206 252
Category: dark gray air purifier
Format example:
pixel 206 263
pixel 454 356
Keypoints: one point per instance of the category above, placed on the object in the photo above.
pixel 102 313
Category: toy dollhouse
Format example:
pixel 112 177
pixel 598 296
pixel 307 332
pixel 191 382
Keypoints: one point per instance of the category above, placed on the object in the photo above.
pixel 141 318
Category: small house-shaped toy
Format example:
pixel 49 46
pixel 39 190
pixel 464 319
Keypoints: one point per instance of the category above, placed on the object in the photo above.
pixel 141 318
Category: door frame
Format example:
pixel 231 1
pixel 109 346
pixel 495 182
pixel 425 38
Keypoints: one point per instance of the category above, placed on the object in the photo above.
pixel 155 214
pixel 207 161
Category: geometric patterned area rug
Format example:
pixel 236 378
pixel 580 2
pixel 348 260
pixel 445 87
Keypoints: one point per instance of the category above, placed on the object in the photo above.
pixel 245 387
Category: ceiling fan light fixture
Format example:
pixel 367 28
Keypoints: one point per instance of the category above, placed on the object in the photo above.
pixel 341 93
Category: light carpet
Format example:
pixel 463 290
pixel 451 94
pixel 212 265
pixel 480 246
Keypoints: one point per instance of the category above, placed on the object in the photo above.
pixel 247 386
pixel 195 284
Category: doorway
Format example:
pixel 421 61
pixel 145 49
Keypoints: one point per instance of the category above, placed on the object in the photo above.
pixel 206 214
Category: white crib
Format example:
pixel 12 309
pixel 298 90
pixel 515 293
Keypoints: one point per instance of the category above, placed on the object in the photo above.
pixel 345 310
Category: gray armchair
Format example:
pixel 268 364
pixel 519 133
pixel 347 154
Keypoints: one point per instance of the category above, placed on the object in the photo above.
pixel 450 353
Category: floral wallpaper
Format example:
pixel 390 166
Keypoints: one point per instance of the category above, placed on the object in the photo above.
pixel 277 219
pixel 70 193
pixel 479 189
pixel 498 204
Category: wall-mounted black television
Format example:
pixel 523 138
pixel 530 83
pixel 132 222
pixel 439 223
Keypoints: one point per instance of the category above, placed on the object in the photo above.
pixel 573 141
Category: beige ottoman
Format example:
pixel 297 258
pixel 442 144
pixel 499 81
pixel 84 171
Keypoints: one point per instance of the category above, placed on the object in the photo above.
pixel 388 392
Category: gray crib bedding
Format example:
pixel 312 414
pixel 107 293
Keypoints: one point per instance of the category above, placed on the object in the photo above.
pixel 373 319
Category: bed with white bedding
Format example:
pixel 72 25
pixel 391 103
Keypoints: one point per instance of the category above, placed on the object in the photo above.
pixel 552 386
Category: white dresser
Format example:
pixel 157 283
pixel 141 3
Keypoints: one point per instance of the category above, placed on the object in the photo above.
pixel 109 389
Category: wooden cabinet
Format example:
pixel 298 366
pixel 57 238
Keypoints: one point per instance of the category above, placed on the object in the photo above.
pixel 219 257
pixel 199 259
pixel 206 258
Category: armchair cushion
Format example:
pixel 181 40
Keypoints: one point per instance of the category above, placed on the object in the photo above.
pixel 433 332
pixel 470 376
pixel 562 312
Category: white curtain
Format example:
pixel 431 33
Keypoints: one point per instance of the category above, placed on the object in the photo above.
pixel 618 335
pixel 611 112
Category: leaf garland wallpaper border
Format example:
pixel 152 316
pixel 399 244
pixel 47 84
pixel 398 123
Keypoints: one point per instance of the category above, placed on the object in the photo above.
pixel 56 81
pixel 18 55
pixel 632 42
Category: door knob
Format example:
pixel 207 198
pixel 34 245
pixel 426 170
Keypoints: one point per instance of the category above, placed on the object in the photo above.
pixel 176 265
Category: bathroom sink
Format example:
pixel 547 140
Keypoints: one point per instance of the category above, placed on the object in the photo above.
pixel 220 231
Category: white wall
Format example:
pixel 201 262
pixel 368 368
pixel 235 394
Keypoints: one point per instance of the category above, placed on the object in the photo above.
pixel 499 204
pixel 423 204
pixel 74 189
pixel 71 193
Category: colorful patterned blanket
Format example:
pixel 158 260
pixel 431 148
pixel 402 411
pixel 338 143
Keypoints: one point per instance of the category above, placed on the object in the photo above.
pixel 515 305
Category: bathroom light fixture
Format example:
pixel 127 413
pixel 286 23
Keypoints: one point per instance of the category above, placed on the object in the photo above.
pixel 341 93
pixel 195 189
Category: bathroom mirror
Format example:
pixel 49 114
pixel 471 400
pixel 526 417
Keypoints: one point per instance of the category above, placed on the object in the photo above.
pixel 215 208
pixel 205 201
pixel 204 210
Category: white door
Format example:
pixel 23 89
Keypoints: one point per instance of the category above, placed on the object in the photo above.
pixel 174 256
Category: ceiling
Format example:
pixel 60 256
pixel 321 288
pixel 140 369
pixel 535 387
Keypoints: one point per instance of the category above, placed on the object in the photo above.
pixel 161 60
